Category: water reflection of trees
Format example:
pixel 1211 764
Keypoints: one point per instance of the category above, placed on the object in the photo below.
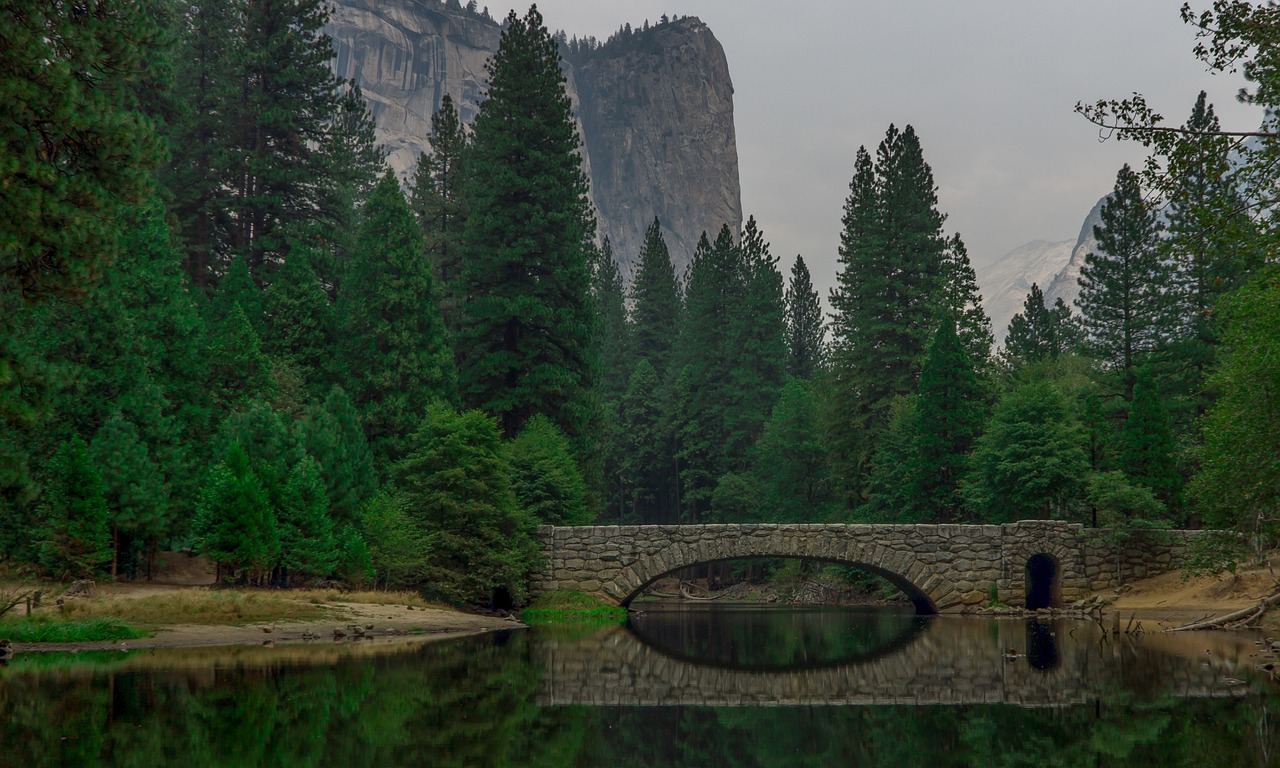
pixel 763 639
pixel 474 703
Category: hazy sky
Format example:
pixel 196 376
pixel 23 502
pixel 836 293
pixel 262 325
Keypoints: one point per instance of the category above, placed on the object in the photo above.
pixel 988 84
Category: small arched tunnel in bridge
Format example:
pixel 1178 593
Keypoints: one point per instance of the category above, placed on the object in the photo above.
pixel 924 604
pixel 1044 582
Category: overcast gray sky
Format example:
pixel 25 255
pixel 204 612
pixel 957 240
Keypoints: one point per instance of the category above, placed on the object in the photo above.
pixel 988 84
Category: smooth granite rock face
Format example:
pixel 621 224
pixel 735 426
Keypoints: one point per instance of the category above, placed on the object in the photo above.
pixel 655 111
pixel 945 568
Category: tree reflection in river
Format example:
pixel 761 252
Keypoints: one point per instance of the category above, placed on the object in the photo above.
pixel 485 701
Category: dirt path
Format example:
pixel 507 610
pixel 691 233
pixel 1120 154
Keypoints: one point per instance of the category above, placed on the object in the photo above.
pixel 1170 600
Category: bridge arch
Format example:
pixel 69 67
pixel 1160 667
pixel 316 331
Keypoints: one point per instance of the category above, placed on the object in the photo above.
pixel 648 572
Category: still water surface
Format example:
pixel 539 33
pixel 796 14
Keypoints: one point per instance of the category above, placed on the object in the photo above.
pixel 704 687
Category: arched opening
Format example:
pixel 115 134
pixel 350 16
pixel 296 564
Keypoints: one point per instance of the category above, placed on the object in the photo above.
pixel 1043 589
pixel 922 603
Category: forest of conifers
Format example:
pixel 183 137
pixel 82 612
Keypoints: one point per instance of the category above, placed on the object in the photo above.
pixel 226 326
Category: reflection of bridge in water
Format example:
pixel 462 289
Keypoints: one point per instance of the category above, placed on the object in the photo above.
pixel 958 663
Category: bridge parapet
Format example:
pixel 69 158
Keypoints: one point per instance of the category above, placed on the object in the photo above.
pixel 940 567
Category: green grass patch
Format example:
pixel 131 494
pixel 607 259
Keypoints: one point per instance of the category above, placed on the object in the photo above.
pixel 44 629
pixel 571 607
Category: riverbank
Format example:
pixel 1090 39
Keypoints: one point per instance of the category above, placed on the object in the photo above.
pixel 175 615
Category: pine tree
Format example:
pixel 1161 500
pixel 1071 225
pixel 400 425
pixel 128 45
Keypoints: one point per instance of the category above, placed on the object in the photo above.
pixel 237 287
pixel 1209 242
pixel 456 478
pixel 950 417
pixel 1122 286
pixel 75 541
pixel 238 370
pixel 544 476
pixel 281 119
pixel 259 431
pixel 134 488
pixel 438 203
pixel 646 467
pixel 961 302
pixel 1039 332
pixel 614 338
pixel 888 299
pixel 1146 448
pixel 200 139
pixel 805 330
pixel 655 301
pixel 395 354
pixel 76 148
pixel 702 359
pixel 307 546
pixel 331 433
pixel 528 328
pixel 296 317
pixel 790 461
pixel 757 351
pixel 235 519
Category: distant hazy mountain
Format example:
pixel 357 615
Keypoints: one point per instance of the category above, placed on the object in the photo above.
pixel 1055 267
pixel 1007 281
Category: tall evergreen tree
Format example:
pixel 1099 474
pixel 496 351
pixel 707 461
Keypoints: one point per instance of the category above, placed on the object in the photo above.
pixel 331 433
pixel 76 148
pixel 395 353
pixel 614 343
pixel 238 369
pixel 307 545
pixel 950 415
pixel 887 301
pixel 235 519
pixel 438 202
pixel 1146 448
pixel 805 330
pixel 1122 286
pixel 961 302
pixel 1039 332
pixel 703 357
pixel 655 301
pixel 134 488
pixel 528 327
pixel 296 316
pixel 646 449
pixel 1210 242
pixel 757 350
pixel 75 542
pixel 790 462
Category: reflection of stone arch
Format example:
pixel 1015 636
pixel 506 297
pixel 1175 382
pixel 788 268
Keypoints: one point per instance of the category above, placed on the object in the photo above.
pixel 902 569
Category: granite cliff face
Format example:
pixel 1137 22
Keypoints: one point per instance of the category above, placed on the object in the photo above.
pixel 655 110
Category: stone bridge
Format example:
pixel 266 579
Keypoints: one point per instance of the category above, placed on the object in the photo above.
pixel 969 663
pixel 941 568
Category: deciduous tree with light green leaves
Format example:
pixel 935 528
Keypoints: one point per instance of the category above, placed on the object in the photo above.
pixel 544 475
pixel 1028 463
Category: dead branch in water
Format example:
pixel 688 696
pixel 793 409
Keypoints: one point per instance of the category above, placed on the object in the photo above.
pixel 1237 619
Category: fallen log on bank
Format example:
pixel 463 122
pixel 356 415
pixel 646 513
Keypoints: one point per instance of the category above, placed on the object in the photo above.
pixel 1235 620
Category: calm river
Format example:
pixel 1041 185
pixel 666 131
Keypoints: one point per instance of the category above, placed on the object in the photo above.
pixel 705 687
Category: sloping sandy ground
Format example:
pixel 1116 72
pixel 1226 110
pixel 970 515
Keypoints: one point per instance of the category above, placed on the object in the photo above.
pixel 1170 600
